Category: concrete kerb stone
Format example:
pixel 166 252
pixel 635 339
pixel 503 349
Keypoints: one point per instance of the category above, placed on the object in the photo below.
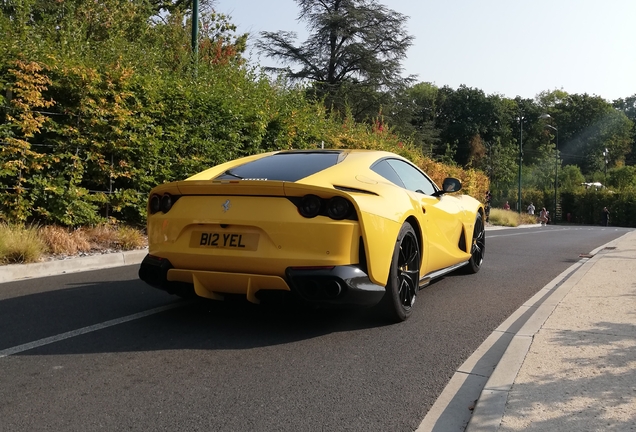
pixel 16 272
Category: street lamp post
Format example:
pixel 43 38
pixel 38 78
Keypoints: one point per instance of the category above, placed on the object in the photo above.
pixel 490 164
pixel 556 165
pixel 520 119
pixel 195 30
pixel 556 170
pixel 606 156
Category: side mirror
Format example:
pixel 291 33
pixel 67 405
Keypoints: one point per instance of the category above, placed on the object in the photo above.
pixel 451 185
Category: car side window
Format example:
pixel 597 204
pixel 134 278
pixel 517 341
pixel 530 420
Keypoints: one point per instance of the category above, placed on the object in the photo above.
pixel 385 170
pixel 413 179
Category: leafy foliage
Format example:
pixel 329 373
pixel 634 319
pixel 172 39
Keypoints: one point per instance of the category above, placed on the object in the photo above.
pixel 622 178
pixel 587 125
pixel 101 101
pixel 352 56
pixel 90 119
pixel 488 132
pixel 570 178
pixel 628 107
pixel 586 206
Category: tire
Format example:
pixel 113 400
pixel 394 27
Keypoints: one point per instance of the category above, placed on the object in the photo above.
pixel 404 276
pixel 478 247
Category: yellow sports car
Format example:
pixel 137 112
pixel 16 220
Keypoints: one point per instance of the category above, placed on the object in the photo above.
pixel 340 227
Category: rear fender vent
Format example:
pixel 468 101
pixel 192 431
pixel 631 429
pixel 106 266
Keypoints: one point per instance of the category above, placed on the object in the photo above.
pixel 362 256
pixel 462 241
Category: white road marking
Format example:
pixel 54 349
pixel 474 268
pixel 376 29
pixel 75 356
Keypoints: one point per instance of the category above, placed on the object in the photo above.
pixel 526 232
pixel 89 329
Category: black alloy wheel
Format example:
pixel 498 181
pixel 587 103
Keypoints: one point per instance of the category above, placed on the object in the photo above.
pixel 404 276
pixel 478 246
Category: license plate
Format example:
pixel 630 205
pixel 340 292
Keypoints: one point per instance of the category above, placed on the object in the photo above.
pixel 226 240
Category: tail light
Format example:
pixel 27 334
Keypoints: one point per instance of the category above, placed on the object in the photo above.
pixel 155 204
pixel 166 203
pixel 162 203
pixel 336 208
pixel 310 206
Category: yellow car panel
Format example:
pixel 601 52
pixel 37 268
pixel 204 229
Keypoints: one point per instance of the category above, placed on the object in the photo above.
pixel 323 224
pixel 283 240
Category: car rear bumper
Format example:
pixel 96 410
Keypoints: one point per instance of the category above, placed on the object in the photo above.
pixel 338 285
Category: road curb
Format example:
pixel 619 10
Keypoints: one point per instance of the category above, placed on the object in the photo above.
pixel 16 272
pixel 491 405
pixel 482 382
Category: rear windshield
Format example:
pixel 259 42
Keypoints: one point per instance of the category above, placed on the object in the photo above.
pixel 285 166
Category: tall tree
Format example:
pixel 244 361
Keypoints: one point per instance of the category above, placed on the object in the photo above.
pixel 467 117
pixel 178 6
pixel 628 107
pixel 570 178
pixel 421 105
pixel 587 126
pixel 352 57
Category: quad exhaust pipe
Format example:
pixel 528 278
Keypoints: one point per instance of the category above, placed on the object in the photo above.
pixel 326 289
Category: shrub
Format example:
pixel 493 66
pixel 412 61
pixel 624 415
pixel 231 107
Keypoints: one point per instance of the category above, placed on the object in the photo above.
pixel 129 238
pixel 510 218
pixel 20 244
pixel 585 207
pixel 101 236
pixel 63 241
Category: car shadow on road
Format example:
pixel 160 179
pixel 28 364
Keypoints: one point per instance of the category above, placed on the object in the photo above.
pixel 200 324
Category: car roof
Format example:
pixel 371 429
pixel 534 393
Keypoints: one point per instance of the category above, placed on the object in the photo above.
pixel 340 165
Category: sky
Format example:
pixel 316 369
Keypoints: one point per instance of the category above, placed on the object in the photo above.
pixel 506 47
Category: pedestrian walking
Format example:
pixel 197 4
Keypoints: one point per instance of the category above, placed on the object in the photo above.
pixel 531 209
pixel 543 216
pixel 487 200
pixel 506 206
pixel 605 217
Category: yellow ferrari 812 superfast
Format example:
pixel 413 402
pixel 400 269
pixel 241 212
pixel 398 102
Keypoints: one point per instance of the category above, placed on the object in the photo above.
pixel 331 227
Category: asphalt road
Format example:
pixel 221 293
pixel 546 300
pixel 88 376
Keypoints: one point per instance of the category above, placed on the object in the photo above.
pixel 240 367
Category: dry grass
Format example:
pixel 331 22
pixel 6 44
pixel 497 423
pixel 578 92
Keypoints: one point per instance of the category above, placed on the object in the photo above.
pixel 510 218
pixel 102 236
pixel 130 238
pixel 19 244
pixel 61 241
pixel 115 237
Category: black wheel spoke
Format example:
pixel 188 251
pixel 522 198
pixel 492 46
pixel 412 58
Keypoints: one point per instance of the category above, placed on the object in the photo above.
pixel 408 264
pixel 477 254
pixel 479 243
pixel 408 286
pixel 408 252
pixel 404 276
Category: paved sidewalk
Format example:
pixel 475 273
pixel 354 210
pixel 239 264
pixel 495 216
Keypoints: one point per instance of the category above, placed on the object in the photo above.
pixel 572 365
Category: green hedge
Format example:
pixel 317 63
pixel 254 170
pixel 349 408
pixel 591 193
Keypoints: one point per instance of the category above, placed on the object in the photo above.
pixel 586 207
pixel 99 103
